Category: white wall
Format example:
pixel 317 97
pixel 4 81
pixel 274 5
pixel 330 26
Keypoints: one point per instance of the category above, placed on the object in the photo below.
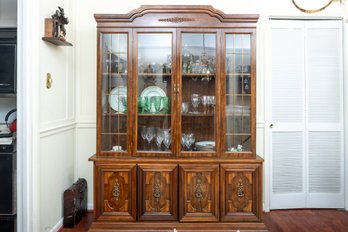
pixel 57 118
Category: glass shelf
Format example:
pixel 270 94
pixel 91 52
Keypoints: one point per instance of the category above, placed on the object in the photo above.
pixel 198 115
pixel 114 74
pixel 198 75
pixel 154 74
pixel 237 74
pixel 115 114
pixel 154 115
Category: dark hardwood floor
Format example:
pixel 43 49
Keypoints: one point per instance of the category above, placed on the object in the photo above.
pixel 302 220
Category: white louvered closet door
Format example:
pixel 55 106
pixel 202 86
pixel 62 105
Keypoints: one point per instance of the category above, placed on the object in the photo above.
pixel 306 113
pixel 287 134
pixel 325 114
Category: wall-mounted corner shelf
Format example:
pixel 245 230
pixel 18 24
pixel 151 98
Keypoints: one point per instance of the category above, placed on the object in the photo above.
pixel 56 41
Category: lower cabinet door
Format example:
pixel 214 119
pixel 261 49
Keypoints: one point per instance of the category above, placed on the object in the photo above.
pixel 115 198
pixel 241 192
pixel 199 193
pixel 157 192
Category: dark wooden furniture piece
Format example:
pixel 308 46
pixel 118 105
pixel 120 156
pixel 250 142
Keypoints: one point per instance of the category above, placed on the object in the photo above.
pixel 176 122
pixel 75 203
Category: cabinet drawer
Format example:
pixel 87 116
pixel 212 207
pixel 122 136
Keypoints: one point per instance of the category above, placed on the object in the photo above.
pixel 157 192
pixel 199 196
pixel 115 198
pixel 241 192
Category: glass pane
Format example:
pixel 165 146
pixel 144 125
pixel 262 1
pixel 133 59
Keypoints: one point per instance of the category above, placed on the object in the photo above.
pixel 238 87
pixel 154 91
pixel 198 92
pixel 114 92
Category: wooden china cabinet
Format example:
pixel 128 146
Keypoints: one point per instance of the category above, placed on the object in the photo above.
pixel 176 125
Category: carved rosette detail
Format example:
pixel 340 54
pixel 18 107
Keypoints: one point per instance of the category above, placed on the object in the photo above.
pixel 198 189
pixel 116 190
pixel 240 191
pixel 240 188
pixel 157 188
pixel 176 20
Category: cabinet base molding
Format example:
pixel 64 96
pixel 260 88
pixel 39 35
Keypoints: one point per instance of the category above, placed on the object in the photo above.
pixel 158 226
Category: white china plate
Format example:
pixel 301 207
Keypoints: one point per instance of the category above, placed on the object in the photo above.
pixel 114 98
pixel 153 91
pixel 205 145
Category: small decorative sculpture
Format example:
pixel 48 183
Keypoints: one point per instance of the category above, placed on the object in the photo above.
pixel 59 20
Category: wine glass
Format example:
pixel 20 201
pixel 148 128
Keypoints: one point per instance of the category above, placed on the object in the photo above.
pixel 142 102
pixel 205 103
pixel 143 134
pixel 150 134
pixel 212 102
pixel 157 103
pixel 159 138
pixel 187 142
pixel 166 139
pixel 183 140
pixel 166 104
pixel 195 102
pixel 148 104
pixel 191 139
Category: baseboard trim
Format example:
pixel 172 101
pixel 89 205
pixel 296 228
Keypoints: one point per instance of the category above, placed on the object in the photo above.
pixel 172 226
pixel 57 227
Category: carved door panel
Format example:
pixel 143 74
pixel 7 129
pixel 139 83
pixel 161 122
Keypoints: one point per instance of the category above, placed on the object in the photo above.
pixel 117 194
pixel 157 192
pixel 241 192
pixel 199 196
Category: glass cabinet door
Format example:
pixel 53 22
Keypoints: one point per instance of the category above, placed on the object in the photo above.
pixel 238 93
pixel 198 92
pixel 114 92
pixel 154 82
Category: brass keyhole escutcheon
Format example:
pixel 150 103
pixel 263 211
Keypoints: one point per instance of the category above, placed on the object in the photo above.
pixel 49 81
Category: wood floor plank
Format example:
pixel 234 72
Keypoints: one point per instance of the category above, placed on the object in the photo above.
pixel 299 220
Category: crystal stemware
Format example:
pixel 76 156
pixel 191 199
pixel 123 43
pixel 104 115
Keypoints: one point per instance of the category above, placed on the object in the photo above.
pixel 184 107
pixel 159 138
pixel 191 139
pixel 195 102
pixel 143 134
pixel 157 102
pixel 205 103
pixel 166 139
pixel 150 134
pixel 166 104
pixel 212 102
pixel 142 102
pixel 183 140
pixel 147 104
